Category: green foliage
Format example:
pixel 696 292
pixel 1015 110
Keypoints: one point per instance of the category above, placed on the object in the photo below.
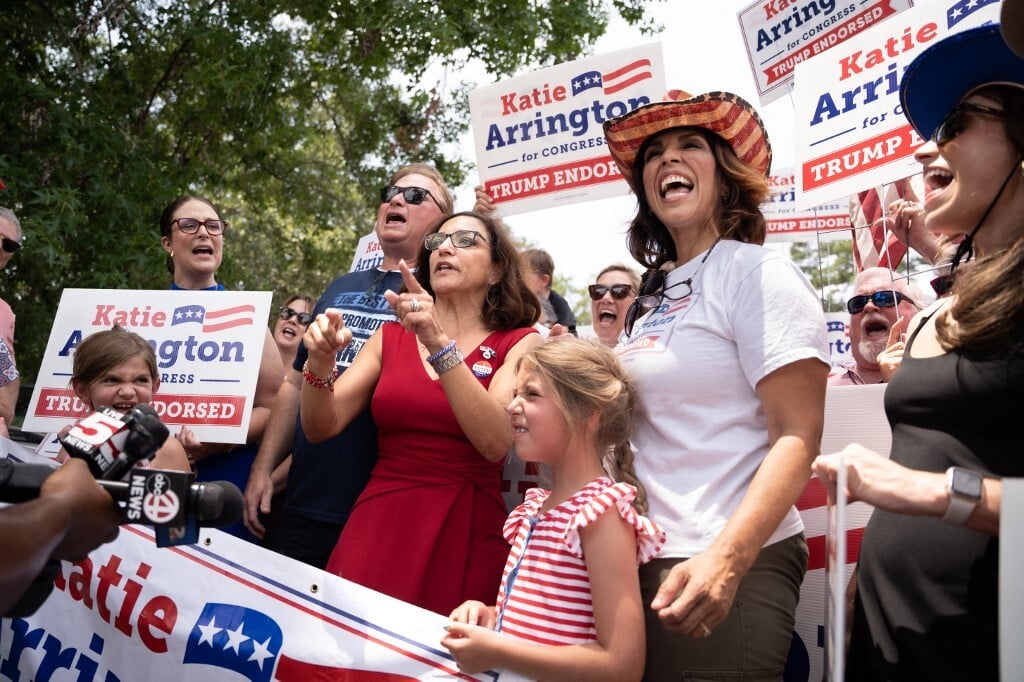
pixel 289 114
pixel 830 267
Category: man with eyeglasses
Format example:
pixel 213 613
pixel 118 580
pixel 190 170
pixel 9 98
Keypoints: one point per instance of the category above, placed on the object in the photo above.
pixel 10 383
pixel 879 300
pixel 325 478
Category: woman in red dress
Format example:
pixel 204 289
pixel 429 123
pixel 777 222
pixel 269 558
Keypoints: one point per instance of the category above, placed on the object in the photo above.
pixel 428 527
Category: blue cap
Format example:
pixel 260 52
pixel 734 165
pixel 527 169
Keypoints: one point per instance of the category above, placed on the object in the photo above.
pixel 941 76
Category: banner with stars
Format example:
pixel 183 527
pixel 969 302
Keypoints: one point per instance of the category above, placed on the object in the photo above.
pixel 222 609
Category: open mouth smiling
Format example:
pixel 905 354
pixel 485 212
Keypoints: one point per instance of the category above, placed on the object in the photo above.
pixel 674 183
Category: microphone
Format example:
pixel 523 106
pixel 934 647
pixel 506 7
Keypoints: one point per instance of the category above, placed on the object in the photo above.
pixel 151 496
pixel 112 442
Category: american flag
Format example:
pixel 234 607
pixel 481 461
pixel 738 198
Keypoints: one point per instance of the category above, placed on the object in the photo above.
pixel 214 320
pixel 613 81
pixel 874 245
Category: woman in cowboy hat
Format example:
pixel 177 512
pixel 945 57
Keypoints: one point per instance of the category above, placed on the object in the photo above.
pixel 927 582
pixel 727 343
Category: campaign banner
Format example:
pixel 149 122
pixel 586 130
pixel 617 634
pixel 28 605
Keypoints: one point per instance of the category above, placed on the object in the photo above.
pixel 539 138
pixel 851 133
pixel 779 34
pixel 208 348
pixel 222 609
pixel 785 222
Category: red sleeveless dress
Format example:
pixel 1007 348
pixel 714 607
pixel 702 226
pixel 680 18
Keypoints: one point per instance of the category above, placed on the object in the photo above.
pixel 428 527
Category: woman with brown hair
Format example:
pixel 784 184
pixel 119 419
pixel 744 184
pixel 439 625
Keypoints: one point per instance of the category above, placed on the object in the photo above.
pixel 726 341
pixel 927 580
pixel 427 527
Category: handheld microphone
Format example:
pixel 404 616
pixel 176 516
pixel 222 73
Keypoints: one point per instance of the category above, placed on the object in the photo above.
pixel 148 496
pixel 112 442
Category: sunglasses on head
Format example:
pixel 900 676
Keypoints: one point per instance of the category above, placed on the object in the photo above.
pixel 461 239
pixel 412 195
pixel 881 299
pixel 10 245
pixel 619 291
pixel 953 124
pixel 286 313
pixel 191 225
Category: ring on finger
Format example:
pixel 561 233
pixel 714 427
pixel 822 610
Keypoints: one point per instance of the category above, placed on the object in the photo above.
pixel 414 305
pixel 705 628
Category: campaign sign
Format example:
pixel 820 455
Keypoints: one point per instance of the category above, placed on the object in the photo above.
pixel 850 130
pixel 221 609
pixel 208 348
pixel 779 34
pixel 538 137
pixel 368 254
pixel 785 222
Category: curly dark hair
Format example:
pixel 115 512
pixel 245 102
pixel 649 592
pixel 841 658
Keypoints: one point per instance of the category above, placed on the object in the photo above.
pixel 509 303
pixel 742 190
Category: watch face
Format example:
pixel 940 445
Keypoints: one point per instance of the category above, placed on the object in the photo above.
pixel 966 483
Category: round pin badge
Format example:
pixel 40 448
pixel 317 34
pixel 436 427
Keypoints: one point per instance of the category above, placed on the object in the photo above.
pixel 482 369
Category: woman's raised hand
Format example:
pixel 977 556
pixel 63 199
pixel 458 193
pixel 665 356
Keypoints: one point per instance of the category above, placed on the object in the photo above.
pixel 415 311
pixel 324 337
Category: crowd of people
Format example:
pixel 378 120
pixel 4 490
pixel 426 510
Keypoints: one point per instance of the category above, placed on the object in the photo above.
pixel 665 543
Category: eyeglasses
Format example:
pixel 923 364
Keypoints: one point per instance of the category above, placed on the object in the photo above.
pixel 619 291
pixel 953 124
pixel 412 195
pixel 460 239
pixel 191 225
pixel 652 292
pixel 882 299
pixel 286 313
pixel 10 245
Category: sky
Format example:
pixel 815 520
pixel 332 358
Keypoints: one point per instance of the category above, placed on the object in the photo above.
pixel 701 54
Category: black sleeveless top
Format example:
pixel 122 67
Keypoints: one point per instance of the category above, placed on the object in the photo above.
pixel 927 600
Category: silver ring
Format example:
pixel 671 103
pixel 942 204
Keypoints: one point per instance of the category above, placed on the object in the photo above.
pixel 414 305
pixel 707 630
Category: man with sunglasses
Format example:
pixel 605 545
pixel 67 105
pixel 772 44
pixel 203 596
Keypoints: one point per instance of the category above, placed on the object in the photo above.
pixel 879 299
pixel 325 478
pixel 10 242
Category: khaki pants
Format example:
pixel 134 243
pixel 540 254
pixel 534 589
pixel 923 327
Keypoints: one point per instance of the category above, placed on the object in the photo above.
pixel 752 643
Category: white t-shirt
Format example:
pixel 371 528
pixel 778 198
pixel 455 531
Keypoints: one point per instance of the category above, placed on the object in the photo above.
pixel 700 432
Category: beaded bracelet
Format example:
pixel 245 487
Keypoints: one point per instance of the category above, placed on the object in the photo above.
pixel 444 351
pixel 448 362
pixel 318 381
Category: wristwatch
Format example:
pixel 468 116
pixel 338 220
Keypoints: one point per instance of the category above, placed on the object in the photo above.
pixel 964 489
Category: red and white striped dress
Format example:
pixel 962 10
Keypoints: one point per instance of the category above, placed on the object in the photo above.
pixel 545 590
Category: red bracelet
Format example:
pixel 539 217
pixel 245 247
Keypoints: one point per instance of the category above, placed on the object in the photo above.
pixel 318 381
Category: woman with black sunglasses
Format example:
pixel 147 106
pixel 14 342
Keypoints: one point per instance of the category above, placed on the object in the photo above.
pixel 726 340
pixel 927 581
pixel 292 319
pixel 610 297
pixel 192 233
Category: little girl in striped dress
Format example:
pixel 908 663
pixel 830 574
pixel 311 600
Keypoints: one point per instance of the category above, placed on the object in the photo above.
pixel 569 602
